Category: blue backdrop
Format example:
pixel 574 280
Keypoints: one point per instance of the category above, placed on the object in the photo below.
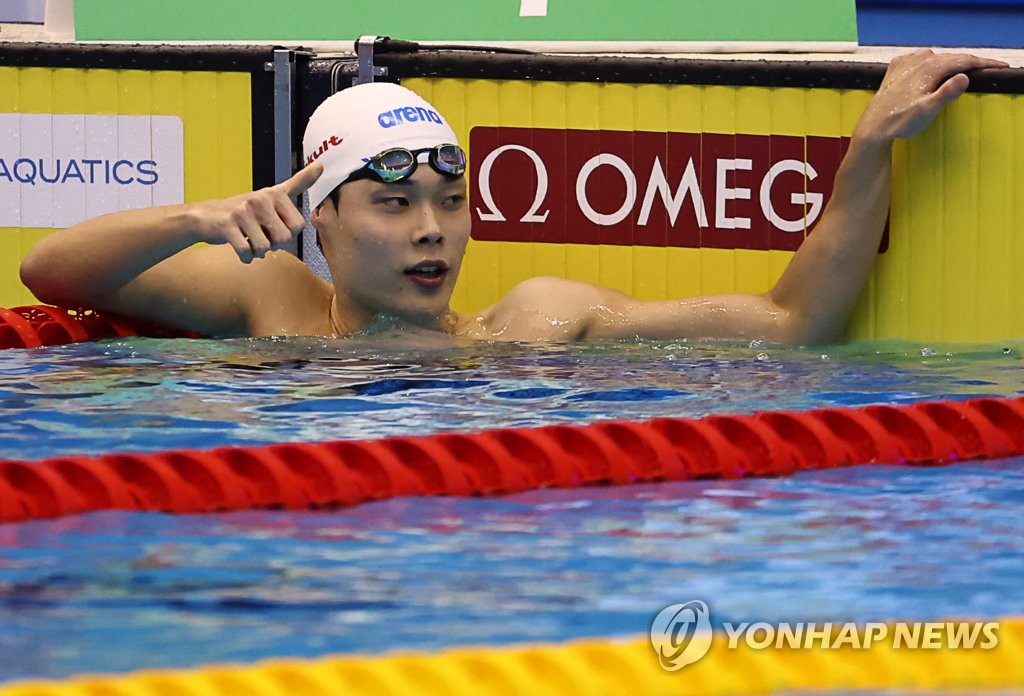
pixel 995 23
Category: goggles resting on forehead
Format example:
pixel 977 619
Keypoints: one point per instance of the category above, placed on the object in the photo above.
pixel 398 163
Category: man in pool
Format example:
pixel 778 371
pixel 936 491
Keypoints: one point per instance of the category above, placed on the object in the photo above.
pixel 387 192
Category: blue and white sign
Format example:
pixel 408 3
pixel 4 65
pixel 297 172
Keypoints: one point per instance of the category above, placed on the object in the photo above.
pixel 57 170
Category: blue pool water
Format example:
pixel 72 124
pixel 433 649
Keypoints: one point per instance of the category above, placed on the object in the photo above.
pixel 119 591
pixel 144 395
pixel 116 591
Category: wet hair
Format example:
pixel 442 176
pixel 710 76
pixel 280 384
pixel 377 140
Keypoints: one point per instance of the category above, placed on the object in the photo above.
pixel 335 195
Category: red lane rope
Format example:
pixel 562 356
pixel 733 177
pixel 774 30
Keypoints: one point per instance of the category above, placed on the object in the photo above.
pixel 298 476
pixel 16 331
pixel 40 325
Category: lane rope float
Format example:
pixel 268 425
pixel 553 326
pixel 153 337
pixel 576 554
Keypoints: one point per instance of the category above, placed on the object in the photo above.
pixel 495 462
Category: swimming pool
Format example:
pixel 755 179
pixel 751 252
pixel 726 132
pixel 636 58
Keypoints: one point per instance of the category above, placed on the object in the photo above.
pixel 146 394
pixel 117 591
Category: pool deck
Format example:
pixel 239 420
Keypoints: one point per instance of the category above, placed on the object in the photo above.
pixel 861 54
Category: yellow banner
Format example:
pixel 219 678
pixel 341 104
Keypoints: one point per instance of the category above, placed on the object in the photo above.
pixel 81 142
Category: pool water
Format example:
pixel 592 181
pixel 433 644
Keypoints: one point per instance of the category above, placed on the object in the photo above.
pixel 115 591
pixel 119 591
pixel 146 394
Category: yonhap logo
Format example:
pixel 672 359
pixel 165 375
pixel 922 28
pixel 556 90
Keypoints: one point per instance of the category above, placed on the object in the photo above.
pixel 681 634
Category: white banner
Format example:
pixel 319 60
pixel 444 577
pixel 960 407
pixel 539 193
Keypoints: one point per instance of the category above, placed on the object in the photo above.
pixel 57 170
pixel 533 8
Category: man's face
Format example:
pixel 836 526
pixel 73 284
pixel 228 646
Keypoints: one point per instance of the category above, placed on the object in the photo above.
pixel 396 248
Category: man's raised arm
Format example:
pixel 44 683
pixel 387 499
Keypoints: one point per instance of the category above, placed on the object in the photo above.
pixel 813 299
pixel 821 285
pixel 139 263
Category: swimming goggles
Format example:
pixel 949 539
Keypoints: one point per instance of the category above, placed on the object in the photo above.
pixel 398 163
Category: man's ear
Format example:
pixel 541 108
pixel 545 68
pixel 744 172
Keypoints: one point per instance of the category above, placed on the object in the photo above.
pixel 318 217
pixel 328 205
pixel 316 214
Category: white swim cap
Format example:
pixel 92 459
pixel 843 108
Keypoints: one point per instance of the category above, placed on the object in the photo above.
pixel 357 123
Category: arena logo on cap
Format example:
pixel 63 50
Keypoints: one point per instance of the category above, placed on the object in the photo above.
pixel 407 114
pixel 650 189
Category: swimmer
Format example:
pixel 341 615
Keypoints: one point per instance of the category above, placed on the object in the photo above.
pixel 387 193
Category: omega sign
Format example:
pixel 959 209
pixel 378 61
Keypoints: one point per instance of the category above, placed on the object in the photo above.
pixel 649 189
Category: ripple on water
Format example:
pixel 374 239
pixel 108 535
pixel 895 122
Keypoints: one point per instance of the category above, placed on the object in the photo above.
pixel 144 394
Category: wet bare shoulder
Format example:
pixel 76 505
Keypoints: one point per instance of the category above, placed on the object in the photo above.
pixel 289 298
pixel 543 309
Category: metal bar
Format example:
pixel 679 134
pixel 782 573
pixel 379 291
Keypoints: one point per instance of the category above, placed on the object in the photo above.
pixel 284 80
pixel 364 54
